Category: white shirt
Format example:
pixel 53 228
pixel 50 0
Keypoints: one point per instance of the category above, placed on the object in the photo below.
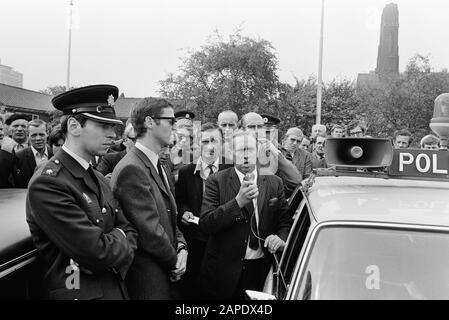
pixel 205 172
pixel 250 253
pixel 154 158
pixel 151 155
pixel 38 157
pixel 78 159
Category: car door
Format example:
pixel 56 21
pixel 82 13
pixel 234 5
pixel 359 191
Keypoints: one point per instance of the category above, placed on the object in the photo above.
pixel 283 270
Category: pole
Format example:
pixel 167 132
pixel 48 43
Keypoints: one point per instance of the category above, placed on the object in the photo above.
pixel 67 87
pixel 320 69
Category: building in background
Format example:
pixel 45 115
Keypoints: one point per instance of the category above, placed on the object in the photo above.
pixel 388 51
pixel 18 100
pixel 10 77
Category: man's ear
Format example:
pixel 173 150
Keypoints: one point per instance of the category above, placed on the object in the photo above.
pixel 73 127
pixel 149 122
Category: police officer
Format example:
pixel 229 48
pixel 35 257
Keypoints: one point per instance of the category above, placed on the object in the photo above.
pixel 85 242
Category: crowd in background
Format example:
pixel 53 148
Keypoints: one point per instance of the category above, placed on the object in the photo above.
pixel 198 160
pixel 26 143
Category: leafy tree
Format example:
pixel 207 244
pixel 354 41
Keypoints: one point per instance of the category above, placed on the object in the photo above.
pixel 238 74
pixel 405 101
pixel 55 90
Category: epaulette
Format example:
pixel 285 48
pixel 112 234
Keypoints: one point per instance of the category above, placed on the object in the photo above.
pixel 51 168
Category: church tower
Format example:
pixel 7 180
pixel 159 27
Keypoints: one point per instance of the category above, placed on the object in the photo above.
pixel 388 56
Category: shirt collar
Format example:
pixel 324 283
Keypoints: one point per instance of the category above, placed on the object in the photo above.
pixel 78 159
pixel 202 166
pixel 35 152
pixel 152 156
pixel 241 175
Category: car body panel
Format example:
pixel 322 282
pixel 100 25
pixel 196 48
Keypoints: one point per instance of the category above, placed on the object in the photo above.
pixel 380 200
pixel 15 238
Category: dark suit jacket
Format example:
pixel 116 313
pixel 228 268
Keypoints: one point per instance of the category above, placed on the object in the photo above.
pixel 317 162
pixel 24 166
pixel 70 219
pixel 151 208
pixel 302 161
pixel 189 197
pixel 229 226
pixel 109 161
pixel 6 167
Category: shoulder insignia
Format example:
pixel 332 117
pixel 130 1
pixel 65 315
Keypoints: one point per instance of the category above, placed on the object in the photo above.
pixel 51 168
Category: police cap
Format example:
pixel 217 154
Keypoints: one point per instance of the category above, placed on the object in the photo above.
pixel 93 102
pixel 269 120
pixel 184 114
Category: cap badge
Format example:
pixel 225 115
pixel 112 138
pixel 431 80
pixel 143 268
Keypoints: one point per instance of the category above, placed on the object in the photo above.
pixel 99 109
pixel 111 100
pixel 265 120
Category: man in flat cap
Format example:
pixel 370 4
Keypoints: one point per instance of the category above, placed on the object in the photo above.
pixel 17 124
pixel 85 242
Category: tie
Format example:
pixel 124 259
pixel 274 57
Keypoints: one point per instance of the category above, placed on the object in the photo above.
pixel 19 147
pixel 161 174
pixel 211 169
pixel 91 172
pixel 253 241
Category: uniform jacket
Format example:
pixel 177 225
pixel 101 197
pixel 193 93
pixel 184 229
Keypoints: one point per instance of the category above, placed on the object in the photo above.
pixel 151 208
pixel 24 166
pixel 69 219
pixel 228 227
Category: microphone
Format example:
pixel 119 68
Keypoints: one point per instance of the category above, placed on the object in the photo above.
pixel 249 177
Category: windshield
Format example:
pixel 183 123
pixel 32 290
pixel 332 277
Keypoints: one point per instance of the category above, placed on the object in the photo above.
pixel 368 263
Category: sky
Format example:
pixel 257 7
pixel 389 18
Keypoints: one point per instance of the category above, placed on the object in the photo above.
pixel 134 43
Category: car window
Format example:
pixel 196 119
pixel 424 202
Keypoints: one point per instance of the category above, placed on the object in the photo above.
pixel 293 248
pixel 369 263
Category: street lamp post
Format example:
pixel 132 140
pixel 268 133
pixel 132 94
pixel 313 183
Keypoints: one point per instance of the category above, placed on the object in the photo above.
pixel 320 69
pixel 69 47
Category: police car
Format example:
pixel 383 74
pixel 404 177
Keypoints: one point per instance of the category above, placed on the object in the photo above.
pixel 376 226
pixel 19 269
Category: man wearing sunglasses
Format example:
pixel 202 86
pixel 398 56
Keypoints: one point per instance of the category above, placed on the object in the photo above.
pixel 146 193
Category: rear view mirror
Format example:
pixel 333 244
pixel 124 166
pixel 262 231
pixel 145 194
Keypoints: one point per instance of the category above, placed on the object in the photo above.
pixel 257 295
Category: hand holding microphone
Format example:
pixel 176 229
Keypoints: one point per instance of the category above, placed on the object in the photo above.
pixel 248 190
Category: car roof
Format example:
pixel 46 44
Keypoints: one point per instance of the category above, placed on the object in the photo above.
pixel 15 238
pixel 366 199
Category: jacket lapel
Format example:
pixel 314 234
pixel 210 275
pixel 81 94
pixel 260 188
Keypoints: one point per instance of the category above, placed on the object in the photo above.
pixel 234 182
pixel 31 161
pixel 153 171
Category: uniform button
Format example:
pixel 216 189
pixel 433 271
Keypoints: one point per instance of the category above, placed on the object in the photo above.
pixel 103 211
pixel 116 210
pixel 57 161
pixel 98 221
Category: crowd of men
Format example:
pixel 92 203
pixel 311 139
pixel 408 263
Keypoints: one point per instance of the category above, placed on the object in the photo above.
pixel 173 209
